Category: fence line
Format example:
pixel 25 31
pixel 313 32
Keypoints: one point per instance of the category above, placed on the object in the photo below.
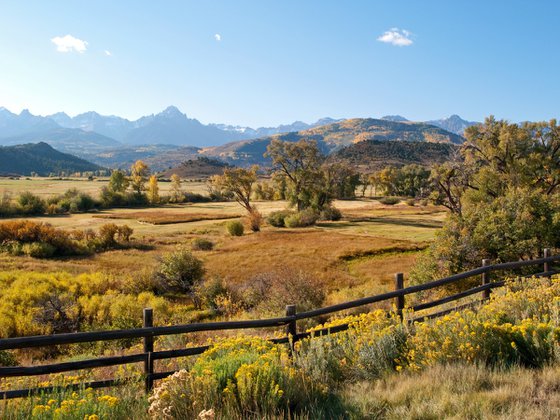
pixel 148 332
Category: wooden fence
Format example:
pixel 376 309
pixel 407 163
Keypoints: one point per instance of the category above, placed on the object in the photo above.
pixel 148 332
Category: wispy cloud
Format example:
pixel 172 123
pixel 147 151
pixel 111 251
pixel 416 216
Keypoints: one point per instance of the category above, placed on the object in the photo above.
pixel 396 36
pixel 108 53
pixel 68 43
pixel 218 37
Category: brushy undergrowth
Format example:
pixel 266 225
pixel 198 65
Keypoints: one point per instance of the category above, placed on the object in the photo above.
pixel 499 362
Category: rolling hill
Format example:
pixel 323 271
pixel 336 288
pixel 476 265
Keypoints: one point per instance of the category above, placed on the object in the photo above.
pixel 202 167
pixel 372 155
pixel 333 137
pixel 40 158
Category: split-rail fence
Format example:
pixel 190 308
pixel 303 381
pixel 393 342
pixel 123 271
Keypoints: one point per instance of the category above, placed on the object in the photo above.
pixel 148 332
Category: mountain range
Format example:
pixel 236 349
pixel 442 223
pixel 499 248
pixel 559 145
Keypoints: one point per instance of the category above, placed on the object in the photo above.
pixel 170 137
pixel 171 127
pixel 42 159
pixel 335 136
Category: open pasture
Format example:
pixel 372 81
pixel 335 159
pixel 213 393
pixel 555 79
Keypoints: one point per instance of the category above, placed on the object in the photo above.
pixel 48 187
pixel 350 258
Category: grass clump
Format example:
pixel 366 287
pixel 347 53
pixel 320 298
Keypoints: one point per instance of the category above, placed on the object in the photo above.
pixel 202 244
pixel 235 228
pixel 303 218
pixel 278 218
pixel 389 201
pixel 330 213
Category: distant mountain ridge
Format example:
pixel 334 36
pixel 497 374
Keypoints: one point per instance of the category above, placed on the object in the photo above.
pixel 42 159
pixel 454 124
pixel 335 136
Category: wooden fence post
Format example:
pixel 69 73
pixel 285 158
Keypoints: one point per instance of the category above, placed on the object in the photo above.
pixel 399 300
pixel 148 349
pixel 546 254
pixel 485 280
pixel 291 329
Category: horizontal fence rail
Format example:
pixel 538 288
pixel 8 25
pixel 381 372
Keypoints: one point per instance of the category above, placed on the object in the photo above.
pixel 148 332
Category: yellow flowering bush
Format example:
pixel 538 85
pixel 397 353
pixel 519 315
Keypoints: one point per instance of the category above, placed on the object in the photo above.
pixel 518 326
pixel 370 347
pixel 68 405
pixel 236 377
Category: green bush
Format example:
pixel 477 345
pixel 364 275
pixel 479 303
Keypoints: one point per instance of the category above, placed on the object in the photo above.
pixel 202 244
pixel 7 358
pixel 330 213
pixel 179 271
pixel 39 250
pixel 304 218
pixel 277 218
pixel 235 228
pixel 31 204
pixel 389 201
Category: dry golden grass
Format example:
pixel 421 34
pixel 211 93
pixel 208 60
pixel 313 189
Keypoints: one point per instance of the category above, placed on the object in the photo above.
pixel 47 187
pixel 354 257
pixel 460 392
pixel 156 217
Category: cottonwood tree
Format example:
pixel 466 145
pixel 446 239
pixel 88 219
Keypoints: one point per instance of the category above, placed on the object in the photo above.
pixel 153 190
pixel 299 164
pixel 139 173
pixel 503 194
pixel 118 182
pixel 239 183
pixel 176 188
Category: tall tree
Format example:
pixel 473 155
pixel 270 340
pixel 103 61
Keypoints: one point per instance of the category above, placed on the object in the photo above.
pixel 299 164
pixel 139 173
pixel 153 190
pixel 176 189
pixel 239 183
pixel 118 182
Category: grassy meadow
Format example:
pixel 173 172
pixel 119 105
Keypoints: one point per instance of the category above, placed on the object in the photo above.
pixel 353 257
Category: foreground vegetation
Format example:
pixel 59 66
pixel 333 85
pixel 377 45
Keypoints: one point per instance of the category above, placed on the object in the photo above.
pixel 499 362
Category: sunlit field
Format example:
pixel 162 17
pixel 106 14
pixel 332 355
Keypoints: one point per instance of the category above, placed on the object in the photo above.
pixel 48 187
pixel 353 257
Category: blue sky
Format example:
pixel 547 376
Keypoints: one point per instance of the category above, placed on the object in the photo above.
pixel 276 62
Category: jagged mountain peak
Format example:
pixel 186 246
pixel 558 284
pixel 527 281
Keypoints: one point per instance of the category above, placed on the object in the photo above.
pixel 395 118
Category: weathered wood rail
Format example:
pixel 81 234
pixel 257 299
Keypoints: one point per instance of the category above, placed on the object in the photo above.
pixel 148 332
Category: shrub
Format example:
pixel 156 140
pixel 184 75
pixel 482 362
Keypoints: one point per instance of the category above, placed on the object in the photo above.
pixel 31 204
pixel 107 235
pixel 236 378
pixel 277 218
pixel 39 250
pixel 255 220
pixel 202 244
pixel 389 201
pixel 330 213
pixel 370 347
pixel 7 207
pixel 7 358
pixel 235 228
pixel 410 202
pixel 179 271
pixel 124 232
pixel 190 197
pixel 210 293
pixel 303 218
pixel 269 293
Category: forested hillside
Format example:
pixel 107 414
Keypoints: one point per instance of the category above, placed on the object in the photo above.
pixel 41 159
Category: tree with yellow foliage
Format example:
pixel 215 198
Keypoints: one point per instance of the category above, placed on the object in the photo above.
pixel 139 172
pixel 153 190
pixel 176 190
